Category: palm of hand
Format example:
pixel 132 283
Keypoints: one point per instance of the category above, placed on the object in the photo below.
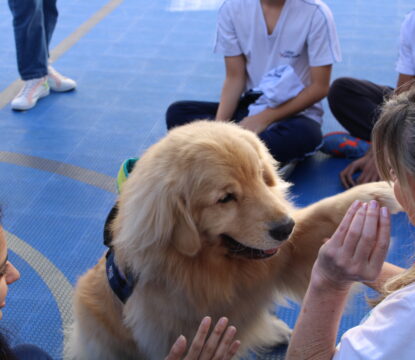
pixel 357 249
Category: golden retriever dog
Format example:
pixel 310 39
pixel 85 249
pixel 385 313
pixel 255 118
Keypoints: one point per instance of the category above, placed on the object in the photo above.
pixel 205 227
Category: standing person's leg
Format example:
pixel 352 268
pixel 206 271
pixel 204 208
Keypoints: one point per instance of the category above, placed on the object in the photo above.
pixel 50 12
pixel 355 104
pixel 30 39
pixel 31 52
pixel 293 138
pixel 56 81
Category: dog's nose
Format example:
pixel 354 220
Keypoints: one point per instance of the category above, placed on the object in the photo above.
pixel 281 230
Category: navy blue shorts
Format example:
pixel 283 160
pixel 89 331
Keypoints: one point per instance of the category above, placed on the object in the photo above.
pixel 290 139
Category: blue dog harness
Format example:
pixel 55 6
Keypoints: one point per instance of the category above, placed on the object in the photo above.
pixel 121 284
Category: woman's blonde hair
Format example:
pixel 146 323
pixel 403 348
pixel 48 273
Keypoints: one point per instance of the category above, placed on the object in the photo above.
pixel 393 142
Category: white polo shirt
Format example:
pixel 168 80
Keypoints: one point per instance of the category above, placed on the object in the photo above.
pixel 386 334
pixel 304 36
pixel 406 60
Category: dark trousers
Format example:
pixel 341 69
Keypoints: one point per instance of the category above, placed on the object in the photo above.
pixel 30 352
pixel 356 104
pixel 289 139
pixel 33 24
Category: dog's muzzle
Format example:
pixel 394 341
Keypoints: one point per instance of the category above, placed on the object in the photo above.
pixel 279 231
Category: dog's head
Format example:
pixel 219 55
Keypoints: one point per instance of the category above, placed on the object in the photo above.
pixel 205 185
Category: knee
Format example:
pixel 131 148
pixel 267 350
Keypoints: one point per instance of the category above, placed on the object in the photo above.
pixel 175 114
pixel 339 89
pixel 23 11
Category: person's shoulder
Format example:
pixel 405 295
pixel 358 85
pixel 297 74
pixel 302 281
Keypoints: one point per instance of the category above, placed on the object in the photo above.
pixel 410 18
pixel 411 14
pixel 405 294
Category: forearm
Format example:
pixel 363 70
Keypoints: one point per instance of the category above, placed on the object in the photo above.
pixel 231 94
pixel 388 270
pixel 314 335
pixel 355 252
pixel 309 96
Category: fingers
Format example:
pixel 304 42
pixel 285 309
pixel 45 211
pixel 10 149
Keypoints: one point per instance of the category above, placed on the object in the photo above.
pixel 199 339
pixel 219 346
pixel 369 174
pixel 178 349
pixel 354 232
pixel 227 347
pixel 214 338
pixel 339 235
pixel 382 245
pixel 233 349
pixel 358 248
pixel 346 176
pixel 369 233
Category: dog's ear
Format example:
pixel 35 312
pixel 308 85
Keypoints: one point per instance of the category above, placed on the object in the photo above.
pixel 186 238
pixel 269 167
pixel 151 212
pixel 146 212
pixel 269 173
pixel 269 164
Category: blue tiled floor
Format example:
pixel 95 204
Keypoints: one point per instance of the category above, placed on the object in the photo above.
pixel 129 68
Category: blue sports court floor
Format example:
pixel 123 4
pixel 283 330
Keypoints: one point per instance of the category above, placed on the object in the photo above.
pixel 131 59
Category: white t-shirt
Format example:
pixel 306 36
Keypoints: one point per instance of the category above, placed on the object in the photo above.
pixel 406 60
pixel 388 333
pixel 304 36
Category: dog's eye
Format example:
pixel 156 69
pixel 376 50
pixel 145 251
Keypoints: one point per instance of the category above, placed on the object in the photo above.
pixel 228 197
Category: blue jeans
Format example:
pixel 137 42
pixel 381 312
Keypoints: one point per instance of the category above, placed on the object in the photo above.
pixel 290 139
pixel 33 24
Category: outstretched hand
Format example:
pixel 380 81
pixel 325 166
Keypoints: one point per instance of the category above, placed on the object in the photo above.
pixel 357 249
pixel 219 345
pixel 366 165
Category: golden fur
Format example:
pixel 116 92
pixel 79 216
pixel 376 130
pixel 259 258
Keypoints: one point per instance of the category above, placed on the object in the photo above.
pixel 201 181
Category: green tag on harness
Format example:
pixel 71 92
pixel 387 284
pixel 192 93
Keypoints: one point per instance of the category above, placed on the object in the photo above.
pixel 125 170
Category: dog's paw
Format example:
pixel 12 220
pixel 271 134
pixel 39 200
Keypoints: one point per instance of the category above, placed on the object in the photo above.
pixel 281 331
pixel 380 191
pixel 275 332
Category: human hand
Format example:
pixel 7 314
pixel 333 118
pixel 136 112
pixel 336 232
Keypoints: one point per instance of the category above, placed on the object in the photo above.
pixel 366 165
pixel 357 249
pixel 254 123
pixel 219 345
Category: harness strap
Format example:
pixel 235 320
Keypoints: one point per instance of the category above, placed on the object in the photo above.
pixel 121 285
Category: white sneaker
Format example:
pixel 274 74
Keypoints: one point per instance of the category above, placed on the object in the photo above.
pixel 30 93
pixel 58 82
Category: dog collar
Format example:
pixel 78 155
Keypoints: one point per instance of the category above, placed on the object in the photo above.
pixel 121 284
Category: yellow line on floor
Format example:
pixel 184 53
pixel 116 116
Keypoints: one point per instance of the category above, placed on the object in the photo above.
pixel 8 94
